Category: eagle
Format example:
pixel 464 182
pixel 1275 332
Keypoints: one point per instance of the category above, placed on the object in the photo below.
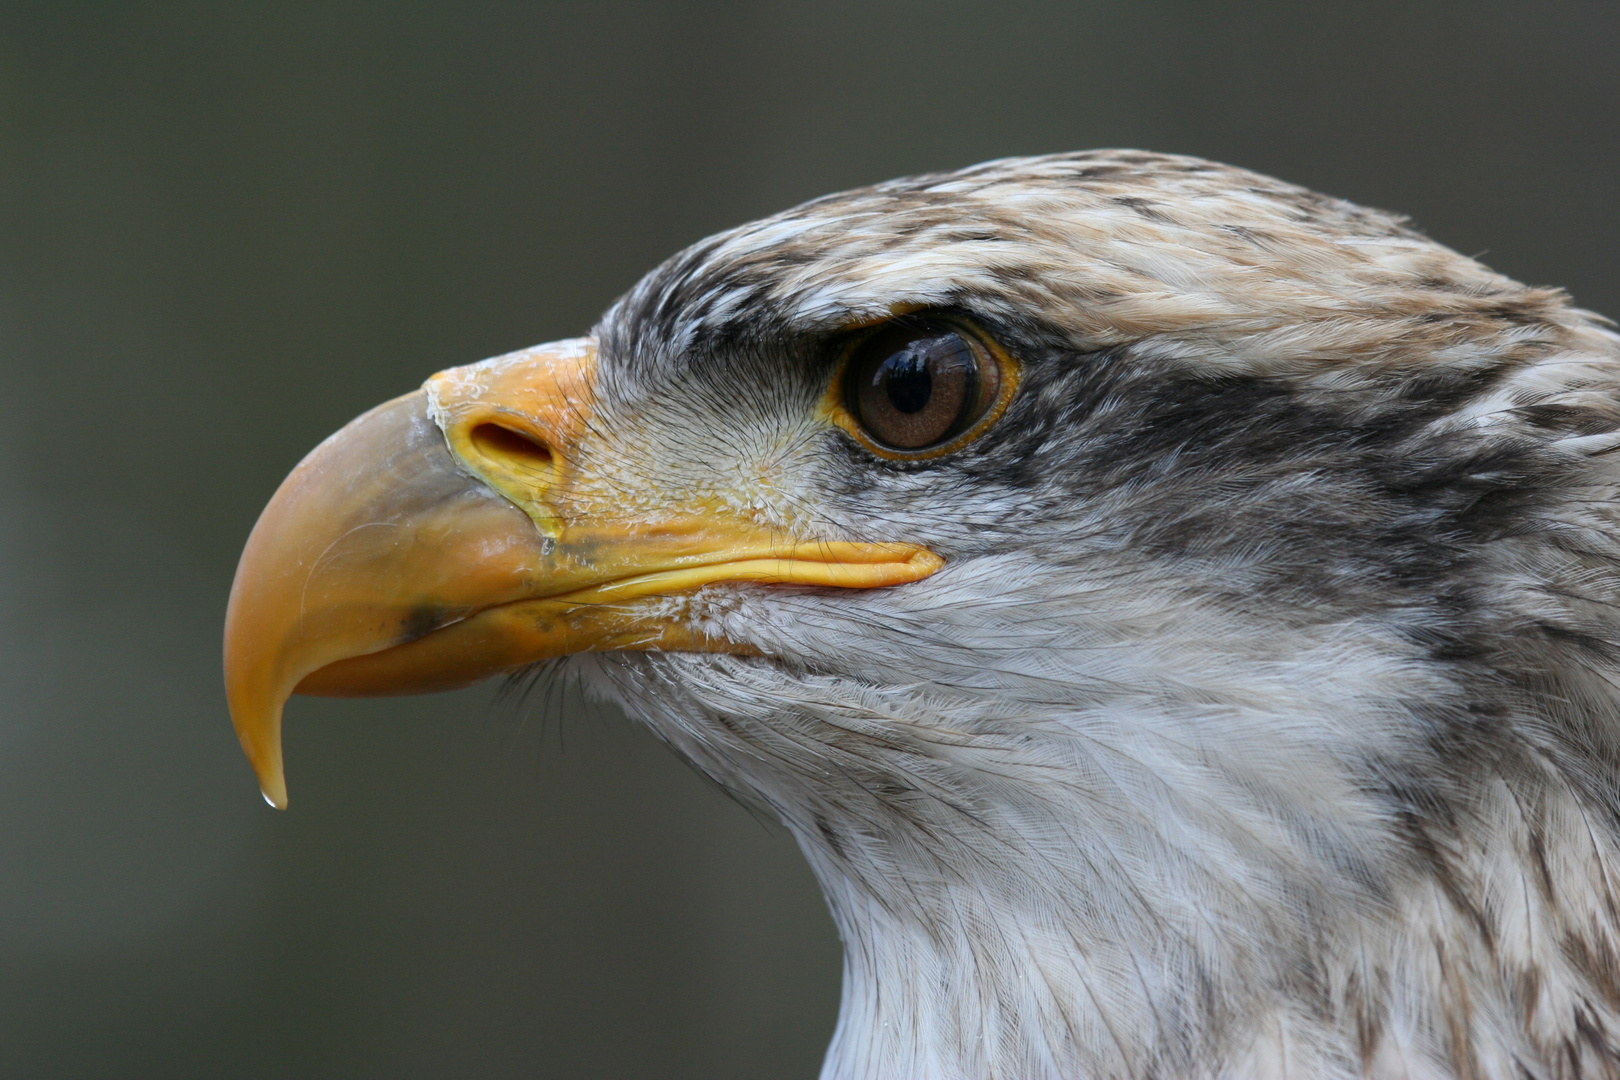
pixel 1176 613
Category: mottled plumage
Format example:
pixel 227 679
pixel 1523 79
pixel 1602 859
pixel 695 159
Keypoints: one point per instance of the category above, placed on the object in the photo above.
pixel 1263 720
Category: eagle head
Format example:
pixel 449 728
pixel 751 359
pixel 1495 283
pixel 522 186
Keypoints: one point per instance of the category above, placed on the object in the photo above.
pixel 1173 610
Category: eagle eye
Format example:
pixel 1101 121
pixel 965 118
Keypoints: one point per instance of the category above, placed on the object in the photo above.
pixel 921 384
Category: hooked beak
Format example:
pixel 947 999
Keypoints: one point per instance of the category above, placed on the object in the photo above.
pixel 424 547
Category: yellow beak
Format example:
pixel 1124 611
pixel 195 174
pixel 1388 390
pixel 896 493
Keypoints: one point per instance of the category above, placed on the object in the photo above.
pixel 424 547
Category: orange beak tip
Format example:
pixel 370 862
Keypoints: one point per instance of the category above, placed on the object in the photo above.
pixel 272 778
pixel 258 729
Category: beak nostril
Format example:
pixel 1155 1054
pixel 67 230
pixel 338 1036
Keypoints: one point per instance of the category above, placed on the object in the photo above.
pixel 513 449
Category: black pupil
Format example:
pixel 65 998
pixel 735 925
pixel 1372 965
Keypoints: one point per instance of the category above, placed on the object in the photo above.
pixel 906 378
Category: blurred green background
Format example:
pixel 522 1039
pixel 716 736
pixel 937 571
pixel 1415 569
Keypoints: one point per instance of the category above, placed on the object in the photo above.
pixel 227 228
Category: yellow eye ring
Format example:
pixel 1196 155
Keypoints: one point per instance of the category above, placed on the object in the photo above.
pixel 919 386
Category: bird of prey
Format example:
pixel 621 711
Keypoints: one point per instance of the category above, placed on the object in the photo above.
pixel 1174 611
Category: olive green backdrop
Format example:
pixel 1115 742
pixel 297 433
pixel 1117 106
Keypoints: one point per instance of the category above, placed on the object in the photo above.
pixel 227 228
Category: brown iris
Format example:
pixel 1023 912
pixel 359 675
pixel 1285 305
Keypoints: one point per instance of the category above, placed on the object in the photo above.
pixel 916 384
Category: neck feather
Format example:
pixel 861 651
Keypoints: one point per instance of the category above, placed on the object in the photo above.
pixel 1208 927
pixel 1289 870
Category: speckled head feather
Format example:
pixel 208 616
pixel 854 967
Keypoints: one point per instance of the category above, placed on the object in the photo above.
pixel 1263 721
